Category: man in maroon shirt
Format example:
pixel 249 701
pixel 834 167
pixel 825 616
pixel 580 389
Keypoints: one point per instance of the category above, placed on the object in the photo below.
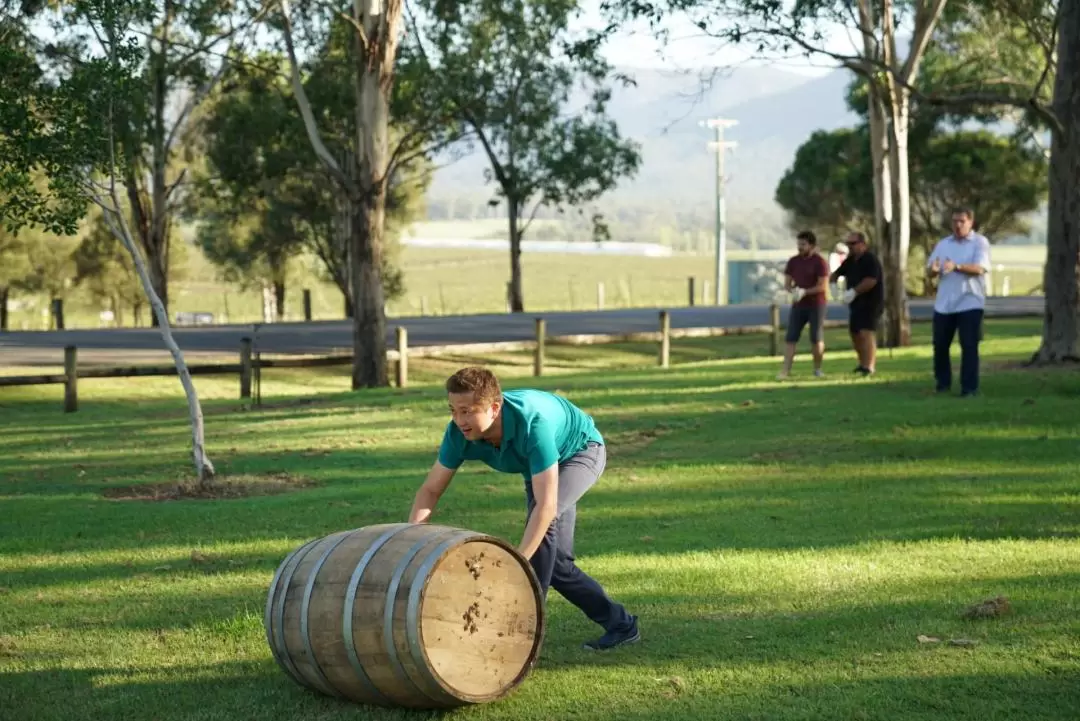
pixel 807 277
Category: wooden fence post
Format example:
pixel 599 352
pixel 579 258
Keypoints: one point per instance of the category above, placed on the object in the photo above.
pixel 599 295
pixel 774 337
pixel 71 380
pixel 690 282
pixel 307 305
pixel 58 313
pixel 665 339
pixel 403 356
pixel 538 357
pixel 245 368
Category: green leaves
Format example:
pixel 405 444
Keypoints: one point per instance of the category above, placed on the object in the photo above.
pixel 514 71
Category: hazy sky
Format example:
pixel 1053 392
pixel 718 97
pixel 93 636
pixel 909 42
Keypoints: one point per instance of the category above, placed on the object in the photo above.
pixel 689 48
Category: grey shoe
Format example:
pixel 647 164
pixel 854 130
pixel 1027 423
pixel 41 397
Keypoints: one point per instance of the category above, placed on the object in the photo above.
pixel 612 639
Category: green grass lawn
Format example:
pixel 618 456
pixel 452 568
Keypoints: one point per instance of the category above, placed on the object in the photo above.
pixel 785 544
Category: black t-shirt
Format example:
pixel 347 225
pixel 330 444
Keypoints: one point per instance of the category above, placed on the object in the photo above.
pixel 854 270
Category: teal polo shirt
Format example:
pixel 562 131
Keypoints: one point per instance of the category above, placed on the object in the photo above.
pixel 539 430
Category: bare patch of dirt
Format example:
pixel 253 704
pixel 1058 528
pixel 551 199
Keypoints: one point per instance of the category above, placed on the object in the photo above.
pixel 238 486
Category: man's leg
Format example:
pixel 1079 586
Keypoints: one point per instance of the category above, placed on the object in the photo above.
pixel 969 325
pixel 817 336
pixel 943 331
pixel 858 324
pixel 796 319
pixel 553 561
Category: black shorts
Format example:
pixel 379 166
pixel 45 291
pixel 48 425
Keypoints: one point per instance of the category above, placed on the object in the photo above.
pixel 801 315
pixel 864 316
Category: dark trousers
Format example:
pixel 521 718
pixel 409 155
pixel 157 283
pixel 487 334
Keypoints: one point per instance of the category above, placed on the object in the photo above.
pixel 968 324
pixel 553 561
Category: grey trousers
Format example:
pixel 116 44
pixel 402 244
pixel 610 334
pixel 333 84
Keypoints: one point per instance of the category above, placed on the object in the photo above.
pixel 553 561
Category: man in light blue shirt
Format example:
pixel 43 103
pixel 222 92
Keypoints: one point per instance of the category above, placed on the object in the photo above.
pixel 961 261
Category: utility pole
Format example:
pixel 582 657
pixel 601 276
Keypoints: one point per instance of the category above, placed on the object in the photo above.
pixel 719 146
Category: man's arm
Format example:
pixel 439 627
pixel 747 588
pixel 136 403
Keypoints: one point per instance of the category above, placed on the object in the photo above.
pixel 427 497
pixel 867 283
pixel 546 491
pixel 823 279
pixel 982 260
pixel 841 270
pixel 933 263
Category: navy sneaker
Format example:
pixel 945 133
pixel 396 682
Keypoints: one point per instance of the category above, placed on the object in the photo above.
pixel 611 639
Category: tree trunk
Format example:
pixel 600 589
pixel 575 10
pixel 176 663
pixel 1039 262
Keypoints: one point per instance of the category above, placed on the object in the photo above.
pixel 369 322
pixel 517 296
pixel 204 469
pixel 4 293
pixel 279 299
pixel 897 326
pixel 1060 283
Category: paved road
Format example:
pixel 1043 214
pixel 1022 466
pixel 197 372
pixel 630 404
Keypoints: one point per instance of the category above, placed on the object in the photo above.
pixel 130 345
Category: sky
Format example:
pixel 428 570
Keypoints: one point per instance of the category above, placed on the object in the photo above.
pixel 689 48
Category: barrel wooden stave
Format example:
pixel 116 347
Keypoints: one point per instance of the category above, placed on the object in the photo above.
pixel 411 645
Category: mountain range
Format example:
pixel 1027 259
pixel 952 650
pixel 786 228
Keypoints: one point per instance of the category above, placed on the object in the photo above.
pixel 776 112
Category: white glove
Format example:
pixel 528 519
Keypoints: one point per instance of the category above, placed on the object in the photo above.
pixel 849 295
pixel 797 294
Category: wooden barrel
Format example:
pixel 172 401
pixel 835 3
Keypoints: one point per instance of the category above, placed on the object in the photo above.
pixel 406 615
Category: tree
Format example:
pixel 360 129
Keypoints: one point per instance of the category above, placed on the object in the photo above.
pixel 71 110
pixel 264 197
pixel 508 68
pixel 363 174
pixel 825 188
pixel 1046 35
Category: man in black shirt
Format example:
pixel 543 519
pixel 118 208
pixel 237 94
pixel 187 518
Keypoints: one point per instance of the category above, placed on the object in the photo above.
pixel 865 296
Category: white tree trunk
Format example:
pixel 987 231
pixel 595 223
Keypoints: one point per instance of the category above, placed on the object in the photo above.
pixel 897 315
pixel 204 469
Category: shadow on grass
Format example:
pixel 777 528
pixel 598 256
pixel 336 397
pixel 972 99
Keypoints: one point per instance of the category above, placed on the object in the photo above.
pixel 861 662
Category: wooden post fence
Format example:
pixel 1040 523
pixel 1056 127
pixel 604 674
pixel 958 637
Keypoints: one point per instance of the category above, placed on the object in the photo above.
pixel 403 356
pixel 538 357
pixel 245 368
pixel 307 304
pixel 690 282
pixel 665 339
pixel 71 380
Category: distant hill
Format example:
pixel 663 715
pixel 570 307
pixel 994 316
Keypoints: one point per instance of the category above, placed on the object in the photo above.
pixel 776 111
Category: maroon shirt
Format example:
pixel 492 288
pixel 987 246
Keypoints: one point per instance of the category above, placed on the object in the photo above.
pixel 807 272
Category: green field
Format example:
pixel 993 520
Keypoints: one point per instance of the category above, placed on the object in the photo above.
pixel 785 544
pixel 465 281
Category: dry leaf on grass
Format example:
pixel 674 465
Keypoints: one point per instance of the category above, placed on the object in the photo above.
pixel 990 608
pixel 928 639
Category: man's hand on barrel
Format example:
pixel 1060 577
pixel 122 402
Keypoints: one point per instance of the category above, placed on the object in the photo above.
pixel 427 497
pixel 546 492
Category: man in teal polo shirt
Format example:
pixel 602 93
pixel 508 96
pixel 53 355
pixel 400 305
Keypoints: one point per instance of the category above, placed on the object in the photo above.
pixel 560 454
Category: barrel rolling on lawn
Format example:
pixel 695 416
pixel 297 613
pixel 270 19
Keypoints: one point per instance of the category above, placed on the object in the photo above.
pixel 406 615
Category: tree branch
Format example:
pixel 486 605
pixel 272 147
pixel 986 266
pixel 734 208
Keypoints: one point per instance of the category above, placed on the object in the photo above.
pixel 926 18
pixel 305 105
pixel 532 216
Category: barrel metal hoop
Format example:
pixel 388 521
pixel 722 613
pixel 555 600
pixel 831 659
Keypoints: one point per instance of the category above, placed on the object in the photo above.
pixel 412 613
pixel 279 613
pixel 304 608
pixel 388 616
pixel 350 601
pixel 267 614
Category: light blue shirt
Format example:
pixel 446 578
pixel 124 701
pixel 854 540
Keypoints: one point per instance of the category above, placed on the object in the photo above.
pixel 959 292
